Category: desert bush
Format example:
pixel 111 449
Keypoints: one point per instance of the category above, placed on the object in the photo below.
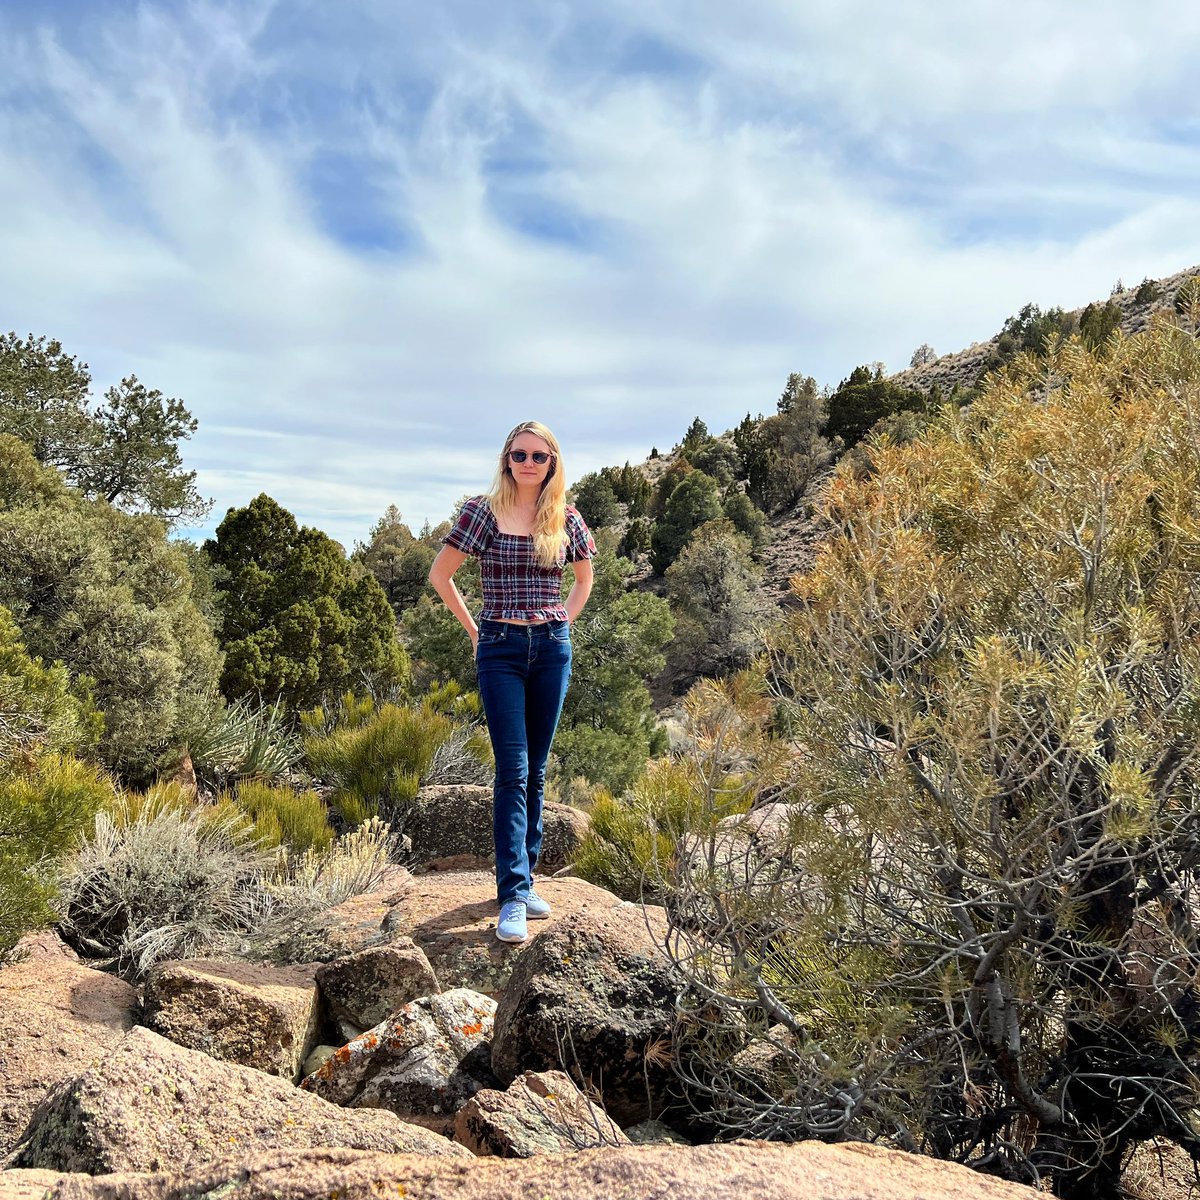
pixel 714 588
pixel 300 891
pixel 46 803
pixel 282 816
pixel 47 797
pixel 347 712
pixel 608 728
pixel 634 843
pixel 163 882
pixel 377 767
pixel 983 945
pixel 108 596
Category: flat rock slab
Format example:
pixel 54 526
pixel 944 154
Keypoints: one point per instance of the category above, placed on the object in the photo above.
pixel 56 1018
pixel 256 1015
pixel 151 1105
pixel 737 1171
pixel 452 918
pixel 540 1113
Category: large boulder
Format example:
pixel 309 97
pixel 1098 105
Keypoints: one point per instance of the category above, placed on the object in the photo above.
pixel 150 1105
pixel 594 997
pixel 257 1015
pixel 762 1170
pixel 366 987
pixel 540 1113
pixel 427 1059
pixel 455 819
pixel 451 917
pixel 56 1017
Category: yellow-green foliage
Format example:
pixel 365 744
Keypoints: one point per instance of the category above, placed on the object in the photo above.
pixel 284 817
pixel 993 671
pixel 350 712
pixel 633 842
pixel 450 698
pixel 376 767
pixel 47 797
pixel 45 806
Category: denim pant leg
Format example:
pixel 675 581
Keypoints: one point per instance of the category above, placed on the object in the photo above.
pixel 523 673
pixel 549 674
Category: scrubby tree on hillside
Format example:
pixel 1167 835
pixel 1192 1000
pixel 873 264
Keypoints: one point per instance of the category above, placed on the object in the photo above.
pixel 608 728
pixel 298 620
pixel 782 453
pixel 398 560
pixel 1097 322
pixel 694 500
pixel 715 594
pixel 124 450
pixel 864 398
pixel 922 355
pixel 977 937
pixel 596 500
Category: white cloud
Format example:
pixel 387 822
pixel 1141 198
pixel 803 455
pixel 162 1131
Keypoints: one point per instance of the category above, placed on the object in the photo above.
pixel 798 188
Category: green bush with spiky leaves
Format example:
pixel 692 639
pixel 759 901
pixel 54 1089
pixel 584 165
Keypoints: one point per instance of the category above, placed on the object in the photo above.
pixel 376 768
pixel 243 740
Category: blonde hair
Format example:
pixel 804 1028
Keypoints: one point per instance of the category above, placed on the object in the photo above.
pixel 550 521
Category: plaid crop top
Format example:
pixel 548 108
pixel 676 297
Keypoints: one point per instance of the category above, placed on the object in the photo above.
pixel 515 584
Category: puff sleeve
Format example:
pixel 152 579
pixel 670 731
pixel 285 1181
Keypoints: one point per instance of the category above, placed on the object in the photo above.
pixel 474 529
pixel 580 543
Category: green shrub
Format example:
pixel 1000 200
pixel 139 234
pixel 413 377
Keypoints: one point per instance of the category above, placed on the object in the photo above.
pixel 108 595
pixel 349 712
pixel 282 816
pixel 633 844
pixel 47 797
pixel 377 767
pixel 45 806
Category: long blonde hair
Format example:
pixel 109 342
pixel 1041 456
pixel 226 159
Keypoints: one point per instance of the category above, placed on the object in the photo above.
pixel 550 521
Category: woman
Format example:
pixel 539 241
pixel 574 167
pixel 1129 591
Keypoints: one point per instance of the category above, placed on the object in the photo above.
pixel 523 533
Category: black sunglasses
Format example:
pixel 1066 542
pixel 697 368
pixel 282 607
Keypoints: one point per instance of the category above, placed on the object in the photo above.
pixel 538 456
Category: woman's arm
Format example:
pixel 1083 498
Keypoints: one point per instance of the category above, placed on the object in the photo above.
pixel 441 576
pixel 581 589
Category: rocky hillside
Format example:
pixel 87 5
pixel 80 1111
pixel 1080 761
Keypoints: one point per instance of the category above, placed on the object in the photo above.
pixel 964 367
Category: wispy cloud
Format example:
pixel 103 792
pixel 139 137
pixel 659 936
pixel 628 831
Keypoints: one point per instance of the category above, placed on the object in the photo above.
pixel 362 241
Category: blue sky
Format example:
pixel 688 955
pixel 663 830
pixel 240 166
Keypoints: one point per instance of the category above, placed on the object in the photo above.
pixel 363 240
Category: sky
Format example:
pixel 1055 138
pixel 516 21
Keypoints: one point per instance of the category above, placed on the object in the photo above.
pixel 363 240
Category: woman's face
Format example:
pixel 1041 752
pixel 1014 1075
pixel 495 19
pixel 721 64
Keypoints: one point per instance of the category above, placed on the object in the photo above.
pixel 529 473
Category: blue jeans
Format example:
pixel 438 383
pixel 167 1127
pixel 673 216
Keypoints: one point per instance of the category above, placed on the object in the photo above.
pixel 523 674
